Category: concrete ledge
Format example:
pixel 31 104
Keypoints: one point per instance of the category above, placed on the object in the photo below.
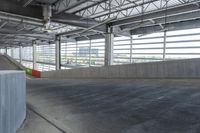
pixel 12 100
pixel 189 68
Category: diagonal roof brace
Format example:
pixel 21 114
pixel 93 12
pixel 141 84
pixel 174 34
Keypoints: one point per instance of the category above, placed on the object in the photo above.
pixel 27 2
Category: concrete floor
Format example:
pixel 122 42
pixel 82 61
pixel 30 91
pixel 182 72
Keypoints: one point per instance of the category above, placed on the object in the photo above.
pixel 111 106
pixel 116 106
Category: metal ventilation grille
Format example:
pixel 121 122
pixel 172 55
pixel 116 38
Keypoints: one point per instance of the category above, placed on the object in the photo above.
pixel 121 50
pixel 9 51
pixel 138 49
pixel 147 48
pixel 82 53
pixel 45 67
pixel 2 51
pixel 46 54
pixel 27 54
pixel 27 57
pixel 46 57
pixel 68 54
pixel 16 53
pixel 97 52
pixel 183 44
pixel 160 46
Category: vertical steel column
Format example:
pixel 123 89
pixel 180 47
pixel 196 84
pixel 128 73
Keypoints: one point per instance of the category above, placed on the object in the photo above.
pixel 131 49
pixel 12 52
pixel 58 52
pixel 164 45
pixel 6 50
pixel 90 53
pixel 76 52
pixel 109 40
pixel 34 55
pixel 20 54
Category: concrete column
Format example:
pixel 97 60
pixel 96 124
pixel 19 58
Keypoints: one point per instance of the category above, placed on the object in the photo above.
pixel 164 45
pixel 76 52
pixel 58 52
pixel 90 53
pixel 20 54
pixel 131 49
pixel 6 50
pixel 109 39
pixel 34 55
pixel 12 52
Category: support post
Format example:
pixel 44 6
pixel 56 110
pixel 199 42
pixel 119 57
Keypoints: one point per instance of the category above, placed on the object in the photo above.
pixel 109 39
pixel 131 49
pixel 164 45
pixel 58 52
pixel 6 50
pixel 12 52
pixel 76 52
pixel 34 55
pixel 20 54
pixel 90 53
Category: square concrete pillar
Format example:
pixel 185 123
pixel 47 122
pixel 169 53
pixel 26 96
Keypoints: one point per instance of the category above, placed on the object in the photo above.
pixel 34 55
pixel 109 39
pixel 12 100
pixel 58 53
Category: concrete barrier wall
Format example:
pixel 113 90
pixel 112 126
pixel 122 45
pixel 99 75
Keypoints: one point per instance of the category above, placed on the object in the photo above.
pixel 189 68
pixel 12 100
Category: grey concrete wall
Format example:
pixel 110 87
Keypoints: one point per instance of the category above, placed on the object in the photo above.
pixel 189 68
pixel 12 100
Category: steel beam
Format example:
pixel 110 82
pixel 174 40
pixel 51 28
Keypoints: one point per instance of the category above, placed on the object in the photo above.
pixel 120 9
pixel 170 27
pixel 178 17
pixel 156 14
pixel 27 2
pixel 71 4
pixel 74 20
pixel 33 15
pixel 14 7
pixel 89 6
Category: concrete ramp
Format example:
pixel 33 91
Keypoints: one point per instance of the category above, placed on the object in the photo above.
pixel 6 64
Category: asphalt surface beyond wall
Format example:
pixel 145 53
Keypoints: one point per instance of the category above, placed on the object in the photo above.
pixel 5 64
pixel 117 106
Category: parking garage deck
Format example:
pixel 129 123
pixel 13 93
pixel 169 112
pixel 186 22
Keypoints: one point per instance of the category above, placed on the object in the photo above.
pixel 118 106
pixel 112 105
